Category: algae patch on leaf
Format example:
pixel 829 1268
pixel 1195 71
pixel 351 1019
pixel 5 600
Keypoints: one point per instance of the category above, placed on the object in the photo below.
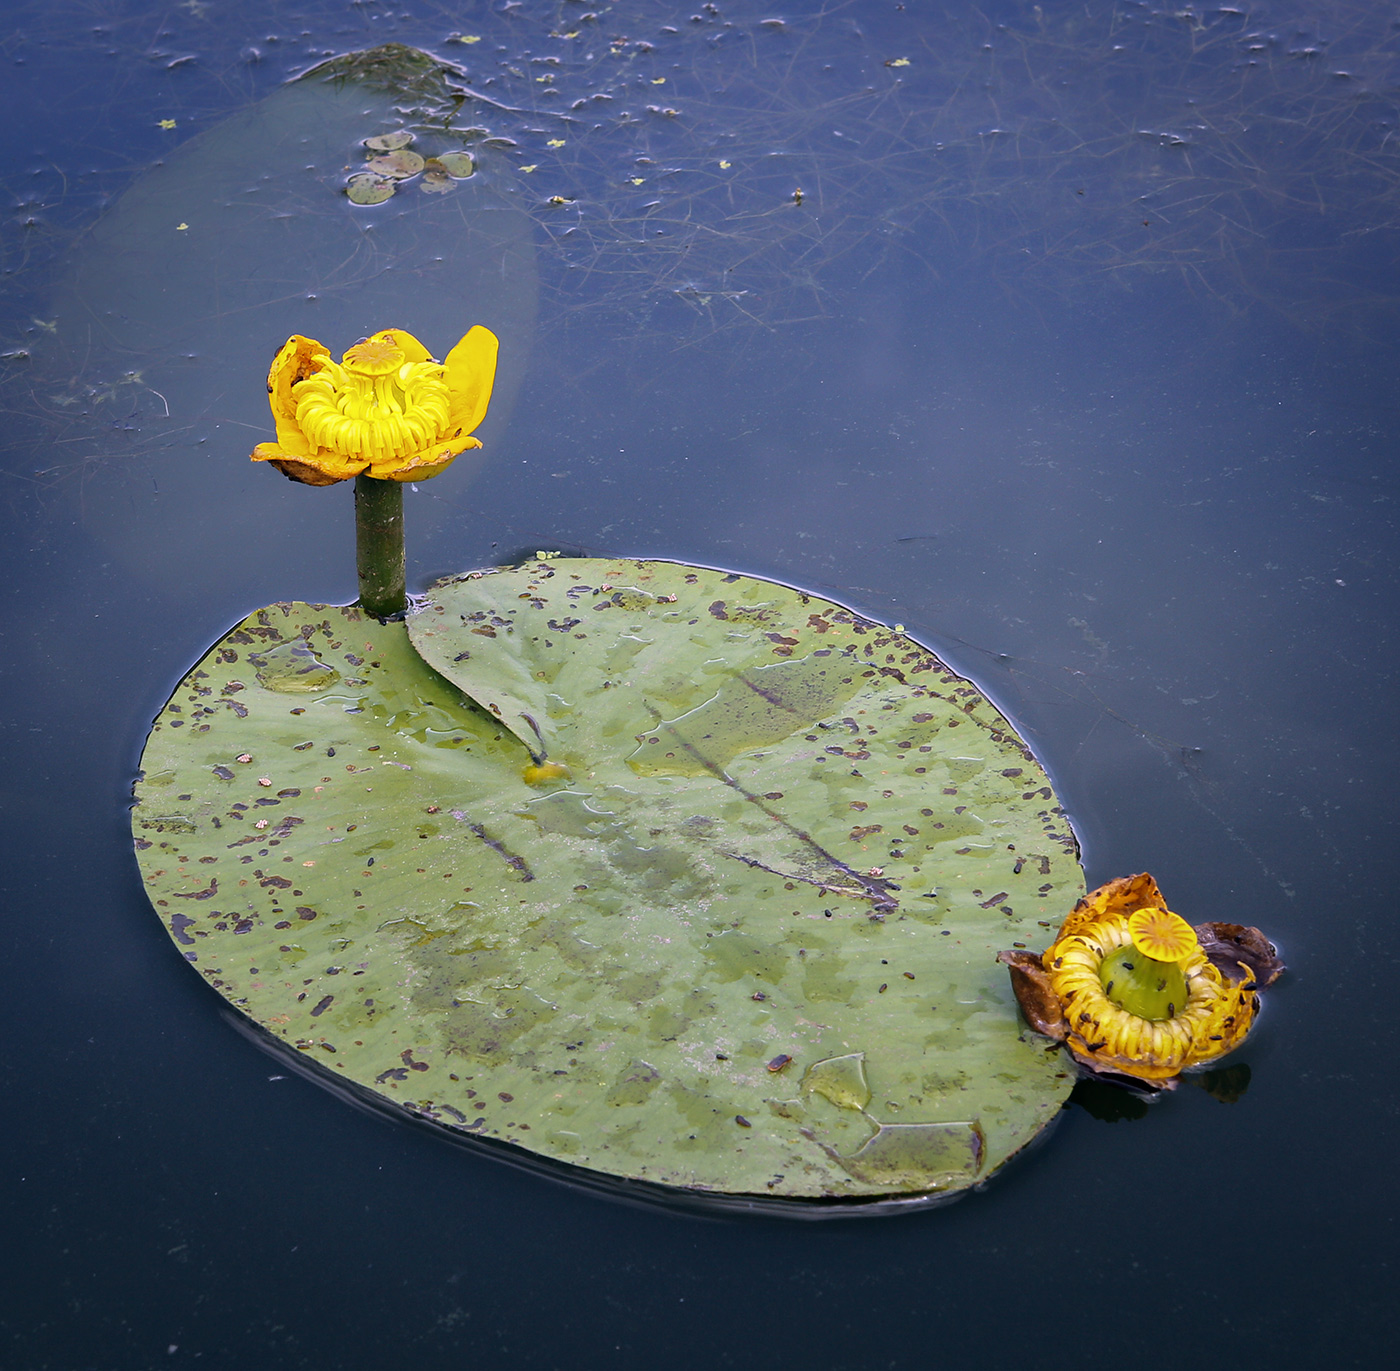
pixel 603 968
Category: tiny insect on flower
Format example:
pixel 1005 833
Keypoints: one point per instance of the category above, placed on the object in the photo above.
pixel 386 410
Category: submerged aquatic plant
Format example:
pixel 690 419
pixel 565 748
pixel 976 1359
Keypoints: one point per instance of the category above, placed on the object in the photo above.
pixel 385 413
pixel 1134 990
pixel 386 410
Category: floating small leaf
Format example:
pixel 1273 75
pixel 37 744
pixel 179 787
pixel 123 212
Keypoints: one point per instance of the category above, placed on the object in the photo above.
pixel 366 189
pixel 458 165
pixel 397 165
pixel 389 142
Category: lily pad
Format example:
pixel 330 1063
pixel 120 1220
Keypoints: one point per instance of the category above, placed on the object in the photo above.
pixel 389 142
pixel 398 165
pixel 365 188
pixel 458 165
pixel 747 948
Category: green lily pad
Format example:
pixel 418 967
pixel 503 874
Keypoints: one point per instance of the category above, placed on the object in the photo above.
pixel 746 948
pixel 389 142
pixel 398 166
pixel 365 188
pixel 458 165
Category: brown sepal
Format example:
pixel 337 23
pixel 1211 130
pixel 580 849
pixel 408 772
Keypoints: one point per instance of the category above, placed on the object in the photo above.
pixel 303 472
pixel 1031 984
pixel 1227 945
pixel 1123 896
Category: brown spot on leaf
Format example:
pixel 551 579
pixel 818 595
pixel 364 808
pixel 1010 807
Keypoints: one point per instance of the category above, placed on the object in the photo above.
pixel 207 893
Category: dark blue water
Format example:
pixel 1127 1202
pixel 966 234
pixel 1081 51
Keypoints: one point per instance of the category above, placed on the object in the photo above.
pixel 1077 356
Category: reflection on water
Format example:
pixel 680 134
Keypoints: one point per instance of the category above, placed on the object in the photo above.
pixel 187 286
pixel 1063 335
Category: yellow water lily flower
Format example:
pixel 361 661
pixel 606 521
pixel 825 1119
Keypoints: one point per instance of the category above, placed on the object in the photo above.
pixel 386 409
pixel 1133 989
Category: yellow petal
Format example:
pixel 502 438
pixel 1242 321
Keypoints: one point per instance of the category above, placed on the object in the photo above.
pixel 307 475
pixel 313 469
pixel 471 371
pixel 298 358
pixel 293 467
pixel 1115 898
pixel 333 464
pixel 290 438
pixel 429 462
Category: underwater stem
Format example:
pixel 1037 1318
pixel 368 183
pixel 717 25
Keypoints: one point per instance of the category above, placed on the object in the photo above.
pixel 379 545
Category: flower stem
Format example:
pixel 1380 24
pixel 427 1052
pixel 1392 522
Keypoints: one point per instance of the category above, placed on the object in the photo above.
pixel 379 546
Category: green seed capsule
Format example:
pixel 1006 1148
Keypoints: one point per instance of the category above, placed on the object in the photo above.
pixel 1150 989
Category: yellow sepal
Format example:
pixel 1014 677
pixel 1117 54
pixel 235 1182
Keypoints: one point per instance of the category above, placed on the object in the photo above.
pixel 471 373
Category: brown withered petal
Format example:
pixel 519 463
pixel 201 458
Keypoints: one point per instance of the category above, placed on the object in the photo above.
pixel 1117 897
pixel 1227 945
pixel 1031 984
pixel 303 472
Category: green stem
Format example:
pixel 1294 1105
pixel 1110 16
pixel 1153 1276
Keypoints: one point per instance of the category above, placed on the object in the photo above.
pixel 379 546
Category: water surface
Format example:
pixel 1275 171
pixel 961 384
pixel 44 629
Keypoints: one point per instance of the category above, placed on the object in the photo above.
pixel 1064 336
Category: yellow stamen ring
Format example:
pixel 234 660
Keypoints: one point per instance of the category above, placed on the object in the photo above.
pixel 371 415
pixel 1111 1037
